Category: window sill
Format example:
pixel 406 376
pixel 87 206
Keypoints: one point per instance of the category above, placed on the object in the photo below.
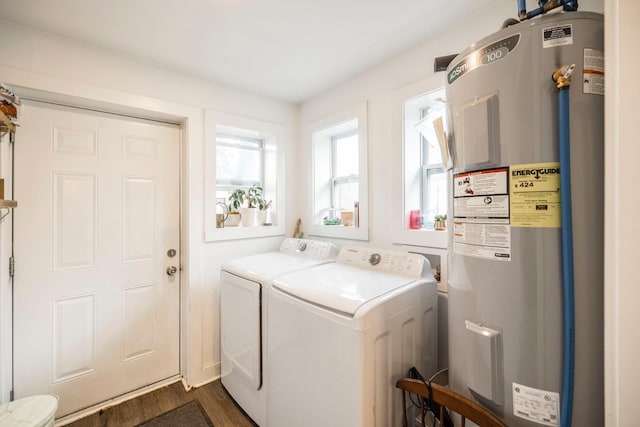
pixel 339 232
pixel 237 233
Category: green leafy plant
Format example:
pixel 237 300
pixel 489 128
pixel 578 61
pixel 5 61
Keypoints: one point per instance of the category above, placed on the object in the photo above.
pixel 439 222
pixel 236 199
pixel 252 197
pixel 264 204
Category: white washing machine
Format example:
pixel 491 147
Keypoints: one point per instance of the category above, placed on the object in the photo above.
pixel 243 316
pixel 341 334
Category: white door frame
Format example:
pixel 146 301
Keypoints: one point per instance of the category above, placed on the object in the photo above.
pixel 6 369
pixel 191 121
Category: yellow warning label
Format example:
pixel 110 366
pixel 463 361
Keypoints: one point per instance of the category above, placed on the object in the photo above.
pixel 534 191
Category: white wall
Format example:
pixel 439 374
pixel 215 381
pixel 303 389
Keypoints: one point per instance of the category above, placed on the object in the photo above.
pixel 622 228
pixel 49 63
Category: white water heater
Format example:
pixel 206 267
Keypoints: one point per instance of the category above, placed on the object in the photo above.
pixel 505 265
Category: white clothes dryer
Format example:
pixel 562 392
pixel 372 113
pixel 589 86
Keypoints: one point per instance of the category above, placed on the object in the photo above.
pixel 243 316
pixel 341 334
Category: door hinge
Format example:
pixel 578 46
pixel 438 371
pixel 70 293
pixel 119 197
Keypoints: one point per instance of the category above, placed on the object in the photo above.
pixel 12 266
pixel 11 396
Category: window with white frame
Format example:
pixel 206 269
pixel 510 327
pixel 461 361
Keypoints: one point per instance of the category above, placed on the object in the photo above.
pixel 434 178
pixel 339 179
pixel 425 178
pixel 242 153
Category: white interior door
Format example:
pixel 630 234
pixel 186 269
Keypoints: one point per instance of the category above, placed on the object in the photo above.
pixel 96 313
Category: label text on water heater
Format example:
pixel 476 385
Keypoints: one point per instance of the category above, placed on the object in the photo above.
pixel 534 191
pixel 535 172
pixel 484 56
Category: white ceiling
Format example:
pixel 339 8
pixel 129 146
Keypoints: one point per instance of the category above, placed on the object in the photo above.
pixel 283 49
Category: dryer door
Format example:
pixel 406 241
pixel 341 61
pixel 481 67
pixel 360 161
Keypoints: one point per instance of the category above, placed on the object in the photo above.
pixel 240 311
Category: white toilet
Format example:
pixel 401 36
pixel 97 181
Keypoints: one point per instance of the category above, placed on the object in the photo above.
pixel 32 411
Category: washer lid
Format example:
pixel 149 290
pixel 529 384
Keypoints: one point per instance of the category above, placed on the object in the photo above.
pixel 339 287
pixel 31 411
pixel 263 267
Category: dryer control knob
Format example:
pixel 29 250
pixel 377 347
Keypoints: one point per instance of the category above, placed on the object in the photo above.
pixel 375 259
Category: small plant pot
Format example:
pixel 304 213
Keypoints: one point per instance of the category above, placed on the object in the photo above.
pixel 440 225
pixel 249 217
pixel 233 220
pixel 347 218
pixel 263 217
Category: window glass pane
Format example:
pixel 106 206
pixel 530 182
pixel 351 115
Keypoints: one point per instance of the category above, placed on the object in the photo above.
pixel 345 194
pixel 434 155
pixel 222 195
pixel 238 165
pixel 346 155
pixel 430 145
pixel 435 195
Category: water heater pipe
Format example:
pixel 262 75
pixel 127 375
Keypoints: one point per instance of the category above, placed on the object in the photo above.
pixel 545 6
pixel 522 9
pixel 562 77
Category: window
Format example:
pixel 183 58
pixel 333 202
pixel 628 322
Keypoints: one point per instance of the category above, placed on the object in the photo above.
pixel 425 178
pixel 339 195
pixel 344 167
pixel 434 177
pixel 420 127
pixel 241 153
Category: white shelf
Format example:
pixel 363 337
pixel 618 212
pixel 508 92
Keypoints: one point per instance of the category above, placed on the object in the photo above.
pixel 8 203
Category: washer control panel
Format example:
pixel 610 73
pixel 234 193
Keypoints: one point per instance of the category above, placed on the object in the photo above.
pixel 310 248
pixel 384 260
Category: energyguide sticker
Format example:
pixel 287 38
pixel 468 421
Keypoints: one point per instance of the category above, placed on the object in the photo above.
pixel 535 195
pixel 535 405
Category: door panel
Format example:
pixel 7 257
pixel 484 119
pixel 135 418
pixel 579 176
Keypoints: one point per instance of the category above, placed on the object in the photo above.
pixel 96 315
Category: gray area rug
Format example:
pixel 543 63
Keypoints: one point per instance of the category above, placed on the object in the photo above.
pixel 190 414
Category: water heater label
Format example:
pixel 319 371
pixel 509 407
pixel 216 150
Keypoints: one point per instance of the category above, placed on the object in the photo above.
pixel 593 74
pixel 557 36
pixel 483 56
pixel 481 214
pixel 534 191
pixel 488 240
pixel 486 182
pixel 536 405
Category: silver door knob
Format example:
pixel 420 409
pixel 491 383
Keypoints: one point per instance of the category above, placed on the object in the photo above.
pixel 171 271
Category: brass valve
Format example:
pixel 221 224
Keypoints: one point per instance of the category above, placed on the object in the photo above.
pixel 562 76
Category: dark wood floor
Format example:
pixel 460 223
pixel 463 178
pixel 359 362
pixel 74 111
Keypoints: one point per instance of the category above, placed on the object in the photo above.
pixel 220 408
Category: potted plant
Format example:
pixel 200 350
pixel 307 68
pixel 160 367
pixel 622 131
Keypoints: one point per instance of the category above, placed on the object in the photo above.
pixel 263 215
pixel 236 199
pixel 253 197
pixel 245 204
pixel 440 222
